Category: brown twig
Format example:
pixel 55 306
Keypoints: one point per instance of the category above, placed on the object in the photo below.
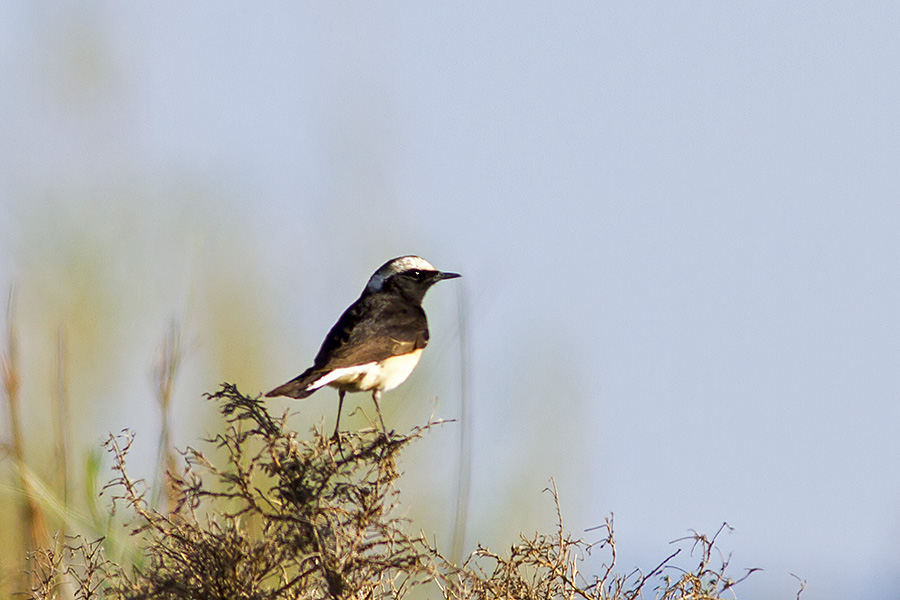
pixel 270 515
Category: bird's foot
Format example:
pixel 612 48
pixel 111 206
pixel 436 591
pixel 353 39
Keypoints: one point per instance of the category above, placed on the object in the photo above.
pixel 336 439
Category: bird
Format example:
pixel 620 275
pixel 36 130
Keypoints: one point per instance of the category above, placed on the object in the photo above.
pixel 377 341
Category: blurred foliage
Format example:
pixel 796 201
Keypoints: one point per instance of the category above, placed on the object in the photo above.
pixel 91 301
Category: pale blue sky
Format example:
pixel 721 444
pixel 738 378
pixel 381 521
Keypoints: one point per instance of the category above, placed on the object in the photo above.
pixel 677 225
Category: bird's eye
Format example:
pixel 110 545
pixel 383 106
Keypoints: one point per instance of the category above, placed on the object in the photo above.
pixel 416 274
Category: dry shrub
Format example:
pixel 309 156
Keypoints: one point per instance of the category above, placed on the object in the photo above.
pixel 275 516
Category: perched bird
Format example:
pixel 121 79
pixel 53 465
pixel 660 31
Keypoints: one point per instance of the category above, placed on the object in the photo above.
pixel 377 342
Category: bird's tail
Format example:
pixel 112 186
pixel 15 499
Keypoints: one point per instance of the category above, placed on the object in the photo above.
pixel 298 387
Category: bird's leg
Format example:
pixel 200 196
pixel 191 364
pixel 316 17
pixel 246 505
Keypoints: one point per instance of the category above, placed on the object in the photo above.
pixel 376 396
pixel 337 423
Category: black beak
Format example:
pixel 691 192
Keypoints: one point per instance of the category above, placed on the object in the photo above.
pixel 441 276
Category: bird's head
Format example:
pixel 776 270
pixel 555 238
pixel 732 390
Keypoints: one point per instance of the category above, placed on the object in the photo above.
pixel 411 275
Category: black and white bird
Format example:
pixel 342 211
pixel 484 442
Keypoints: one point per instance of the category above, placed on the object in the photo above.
pixel 378 341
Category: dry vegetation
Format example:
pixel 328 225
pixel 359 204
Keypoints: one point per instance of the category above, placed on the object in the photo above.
pixel 266 514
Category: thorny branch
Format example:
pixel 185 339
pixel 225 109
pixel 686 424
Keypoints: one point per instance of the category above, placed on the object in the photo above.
pixel 269 515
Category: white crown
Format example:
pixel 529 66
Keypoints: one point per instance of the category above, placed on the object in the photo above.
pixel 397 265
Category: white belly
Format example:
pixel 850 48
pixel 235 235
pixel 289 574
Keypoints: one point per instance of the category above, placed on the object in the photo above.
pixel 380 375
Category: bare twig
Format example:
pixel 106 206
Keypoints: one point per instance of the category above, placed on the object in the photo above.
pixel 802 583
pixel 269 515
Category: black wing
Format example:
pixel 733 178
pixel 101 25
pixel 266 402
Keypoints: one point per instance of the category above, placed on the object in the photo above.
pixel 375 327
